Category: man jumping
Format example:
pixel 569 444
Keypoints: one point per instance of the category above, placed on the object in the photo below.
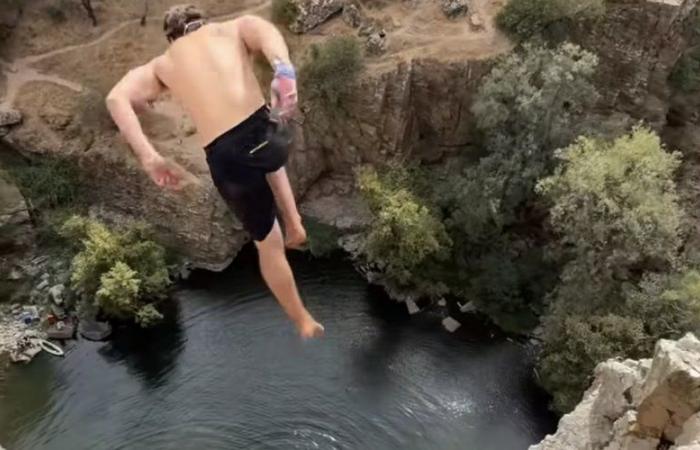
pixel 208 68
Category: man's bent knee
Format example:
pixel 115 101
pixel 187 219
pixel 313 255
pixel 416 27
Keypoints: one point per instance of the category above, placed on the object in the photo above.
pixel 273 241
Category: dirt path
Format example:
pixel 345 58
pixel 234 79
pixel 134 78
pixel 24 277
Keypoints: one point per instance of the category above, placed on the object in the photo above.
pixel 20 71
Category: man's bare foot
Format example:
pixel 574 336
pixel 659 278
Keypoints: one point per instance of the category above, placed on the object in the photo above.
pixel 311 329
pixel 295 236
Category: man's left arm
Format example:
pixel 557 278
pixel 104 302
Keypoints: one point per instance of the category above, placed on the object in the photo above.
pixel 261 36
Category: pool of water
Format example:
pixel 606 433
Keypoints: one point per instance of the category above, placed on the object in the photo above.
pixel 228 371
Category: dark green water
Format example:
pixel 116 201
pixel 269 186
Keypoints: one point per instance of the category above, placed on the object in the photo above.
pixel 228 372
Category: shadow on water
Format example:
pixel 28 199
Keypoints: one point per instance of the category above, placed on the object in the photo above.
pixel 149 354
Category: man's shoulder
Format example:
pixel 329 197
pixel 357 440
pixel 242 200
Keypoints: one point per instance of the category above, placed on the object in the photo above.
pixel 229 27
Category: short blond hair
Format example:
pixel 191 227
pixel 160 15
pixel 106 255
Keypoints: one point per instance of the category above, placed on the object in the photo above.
pixel 177 17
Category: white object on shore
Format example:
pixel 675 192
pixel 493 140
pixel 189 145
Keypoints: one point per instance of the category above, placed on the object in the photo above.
pixel 412 307
pixel 51 348
pixel 442 302
pixel 56 293
pixel 450 324
pixel 467 307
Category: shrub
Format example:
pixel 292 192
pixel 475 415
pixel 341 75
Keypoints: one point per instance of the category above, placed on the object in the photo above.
pixel 283 12
pixel 573 345
pixel 615 208
pixel 404 232
pixel 57 12
pixel 615 204
pixel 525 18
pixel 123 270
pixel 332 69
pixel 49 182
pixel 668 305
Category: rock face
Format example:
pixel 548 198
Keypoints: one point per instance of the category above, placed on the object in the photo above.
pixel 311 13
pixel 638 405
pixel 16 232
pixel 638 43
pixel 405 107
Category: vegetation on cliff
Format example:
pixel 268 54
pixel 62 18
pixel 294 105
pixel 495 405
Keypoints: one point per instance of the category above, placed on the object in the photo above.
pixel 331 69
pixel 552 222
pixel 121 272
pixel 616 216
pixel 523 19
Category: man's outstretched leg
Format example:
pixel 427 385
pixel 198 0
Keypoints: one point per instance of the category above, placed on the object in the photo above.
pixel 295 235
pixel 279 278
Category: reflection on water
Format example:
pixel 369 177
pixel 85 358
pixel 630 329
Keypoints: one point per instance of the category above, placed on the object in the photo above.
pixel 227 371
pixel 150 355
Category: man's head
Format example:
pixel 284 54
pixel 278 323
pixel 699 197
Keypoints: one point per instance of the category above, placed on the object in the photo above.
pixel 178 20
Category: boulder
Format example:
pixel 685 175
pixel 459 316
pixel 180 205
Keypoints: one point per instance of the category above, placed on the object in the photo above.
pixel 454 8
pixel 352 16
pixel 690 434
pixel 450 324
pixel 15 224
pixel 56 294
pixel 671 390
pixel 311 13
pixel 376 43
pixel 9 116
pixel 637 405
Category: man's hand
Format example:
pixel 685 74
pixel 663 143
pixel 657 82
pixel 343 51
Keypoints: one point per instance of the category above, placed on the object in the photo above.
pixel 284 90
pixel 309 329
pixel 165 173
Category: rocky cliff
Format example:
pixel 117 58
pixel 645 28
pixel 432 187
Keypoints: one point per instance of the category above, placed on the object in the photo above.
pixel 413 100
pixel 638 405
pixel 58 87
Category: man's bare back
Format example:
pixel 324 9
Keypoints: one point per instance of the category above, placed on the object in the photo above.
pixel 210 72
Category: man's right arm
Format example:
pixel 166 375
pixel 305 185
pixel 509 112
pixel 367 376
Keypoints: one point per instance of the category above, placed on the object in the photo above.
pixel 139 87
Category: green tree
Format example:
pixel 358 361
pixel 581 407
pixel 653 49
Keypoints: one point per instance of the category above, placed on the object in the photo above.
pixel 524 18
pixel 530 104
pixel 615 210
pixel 615 206
pixel 405 232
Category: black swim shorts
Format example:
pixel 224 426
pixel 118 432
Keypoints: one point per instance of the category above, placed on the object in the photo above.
pixel 239 160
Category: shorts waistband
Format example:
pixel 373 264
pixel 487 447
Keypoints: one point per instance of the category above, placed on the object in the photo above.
pixel 261 113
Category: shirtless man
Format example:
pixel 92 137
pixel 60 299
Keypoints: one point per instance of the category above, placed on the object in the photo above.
pixel 208 68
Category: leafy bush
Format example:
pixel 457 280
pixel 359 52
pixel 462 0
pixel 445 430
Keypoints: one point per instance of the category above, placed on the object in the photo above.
pixel 404 232
pixel 123 270
pixel 49 182
pixel 283 12
pixel 332 69
pixel 574 345
pixel 668 305
pixel 615 204
pixel 525 18
pixel 615 208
